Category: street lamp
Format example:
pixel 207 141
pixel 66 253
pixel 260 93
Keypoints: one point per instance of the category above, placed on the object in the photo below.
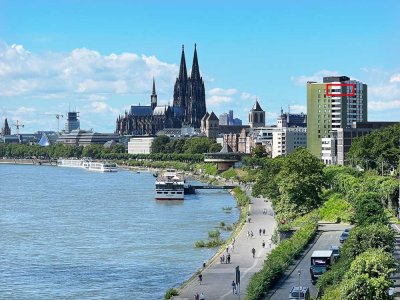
pixel 299 273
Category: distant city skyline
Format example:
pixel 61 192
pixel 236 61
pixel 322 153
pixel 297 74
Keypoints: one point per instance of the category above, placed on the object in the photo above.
pixel 64 54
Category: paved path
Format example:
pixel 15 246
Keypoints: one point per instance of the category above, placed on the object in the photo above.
pixel 217 277
pixel 396 253
pixel 330 234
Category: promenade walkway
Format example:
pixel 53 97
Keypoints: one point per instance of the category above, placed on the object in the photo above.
pixel 217 277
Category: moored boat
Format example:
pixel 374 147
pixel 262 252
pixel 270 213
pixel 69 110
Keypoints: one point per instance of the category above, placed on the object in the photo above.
pixel 102 167
pixel 170 185
pixel 70 163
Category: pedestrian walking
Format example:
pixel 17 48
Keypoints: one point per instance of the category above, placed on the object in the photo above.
pixel 263 231
pixel 249 219
pixel 228 259
pixel 251 234
pixel 248 234
pixel 233 287
pixel 260 231
pixel 254 252
pixel 202 296
pixel 220 259
pixel 227 249
pixel 263 244
pixel 223 258
pixel 200 278
pixel 196 296
pixel 233 246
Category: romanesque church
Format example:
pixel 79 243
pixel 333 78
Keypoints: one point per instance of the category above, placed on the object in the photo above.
pixel 188 108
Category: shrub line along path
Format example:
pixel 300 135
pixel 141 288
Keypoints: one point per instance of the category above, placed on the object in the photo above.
pixel 217 277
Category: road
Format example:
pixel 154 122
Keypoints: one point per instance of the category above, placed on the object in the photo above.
pixel 330 234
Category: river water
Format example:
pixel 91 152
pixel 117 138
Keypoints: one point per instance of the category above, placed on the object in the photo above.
pixel 68 233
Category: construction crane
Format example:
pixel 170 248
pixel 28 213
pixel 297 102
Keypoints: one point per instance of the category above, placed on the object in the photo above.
pixel 58 116
pixel 18 125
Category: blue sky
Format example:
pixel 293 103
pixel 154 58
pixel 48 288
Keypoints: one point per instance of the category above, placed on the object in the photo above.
pixel 99 56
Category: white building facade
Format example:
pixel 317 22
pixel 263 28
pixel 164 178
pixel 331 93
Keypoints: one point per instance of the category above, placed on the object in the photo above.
pixel 286 139
pixel 140 145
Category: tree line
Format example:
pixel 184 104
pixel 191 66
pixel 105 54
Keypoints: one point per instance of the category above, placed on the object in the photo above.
pixel 195 145
pixel 117 152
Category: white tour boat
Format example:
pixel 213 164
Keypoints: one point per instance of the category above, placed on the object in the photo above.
pixel 102 167
pixel 88 165
pixel 70 163
pixel 170 185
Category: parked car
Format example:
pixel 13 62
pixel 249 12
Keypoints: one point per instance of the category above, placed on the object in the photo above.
pixel 299 292
pixel 344 236
pixel 321 260
pixel 336 251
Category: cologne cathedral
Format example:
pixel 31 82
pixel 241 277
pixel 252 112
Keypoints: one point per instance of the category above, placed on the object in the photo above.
pixel 188 108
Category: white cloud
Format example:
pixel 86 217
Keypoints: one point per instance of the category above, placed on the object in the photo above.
pixel 222 92
pixel 102 107
pixel 247 96
pixel 218 100
pixel 317 76
pixel 24 110
pixel 79 73
pixel 395 78
pixel 383 105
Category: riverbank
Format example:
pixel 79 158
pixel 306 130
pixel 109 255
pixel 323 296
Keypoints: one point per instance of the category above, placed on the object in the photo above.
pixel 28 161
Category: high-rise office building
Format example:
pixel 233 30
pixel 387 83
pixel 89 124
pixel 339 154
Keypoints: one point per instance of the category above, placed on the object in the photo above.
pixel 72 122
pixel 335 103
pixel 223 119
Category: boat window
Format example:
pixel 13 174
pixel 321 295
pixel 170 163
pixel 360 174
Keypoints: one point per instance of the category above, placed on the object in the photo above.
pixel 172 192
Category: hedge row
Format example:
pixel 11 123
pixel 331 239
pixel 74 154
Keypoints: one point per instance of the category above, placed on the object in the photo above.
pixel 281 257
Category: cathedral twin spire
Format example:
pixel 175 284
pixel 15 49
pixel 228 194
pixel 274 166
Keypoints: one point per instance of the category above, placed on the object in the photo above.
pixel 189 93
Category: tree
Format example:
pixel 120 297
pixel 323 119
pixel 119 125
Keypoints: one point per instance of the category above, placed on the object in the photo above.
pixel 198 145
pixel 379 146
pixel 374 263
pixel 300 182
pixel 369 210
pixel 362 238
pixel 259 151
pixel 369 276
pixel 266 184
pixel 215 148
pixel 159 144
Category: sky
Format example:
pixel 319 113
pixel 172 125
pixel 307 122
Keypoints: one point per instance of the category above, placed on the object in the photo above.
pixel 99 57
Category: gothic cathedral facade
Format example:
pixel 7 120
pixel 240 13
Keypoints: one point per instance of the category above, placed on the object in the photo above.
pixel 189 105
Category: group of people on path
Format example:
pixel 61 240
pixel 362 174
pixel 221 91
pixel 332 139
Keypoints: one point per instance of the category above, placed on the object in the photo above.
pixel 267 211
pixel 199 297
pixel 227 259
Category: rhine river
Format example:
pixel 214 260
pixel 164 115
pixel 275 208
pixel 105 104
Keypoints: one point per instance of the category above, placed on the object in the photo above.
pixel 68 233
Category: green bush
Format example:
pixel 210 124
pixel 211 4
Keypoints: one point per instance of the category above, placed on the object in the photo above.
pixel 241 197
pixel 229 174
pixel 281 257
pixel 200 244
pixel 336 209
pixel 170 293
pixel 214 234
